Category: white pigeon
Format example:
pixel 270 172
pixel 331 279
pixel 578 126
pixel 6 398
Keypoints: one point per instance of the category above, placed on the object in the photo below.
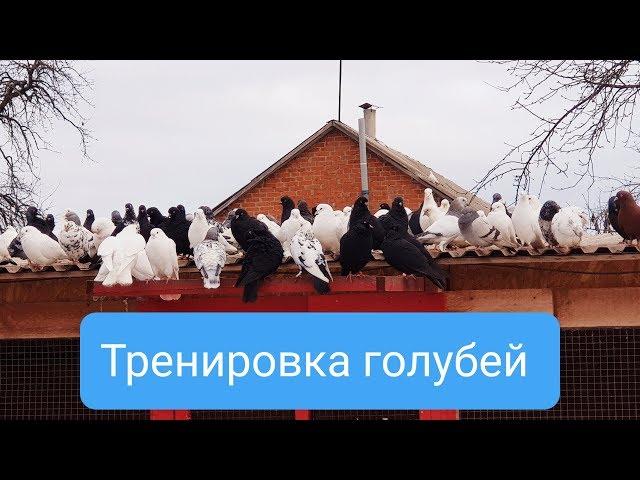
pixel 432 178
pixel 443 231
pixel 290 227
pixel 306 252
pixel 347 210
pixel 189 217
pixel 198 228
pixel 525 221
pixel 326 229
pixel 102 228
pixel 498 218
pixel 39 248
pixel 120 255
pixel 273 227
pixel 210 257
pixel 568 226
pixel 5 240
pixel 430 211
pixel 161 253
pixel 142 269
pixel 77 242
pixel 229 238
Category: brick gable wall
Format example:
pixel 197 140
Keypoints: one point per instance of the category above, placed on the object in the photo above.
pixel 329 172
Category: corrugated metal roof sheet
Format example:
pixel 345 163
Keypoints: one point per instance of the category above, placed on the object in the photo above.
pixel 592 246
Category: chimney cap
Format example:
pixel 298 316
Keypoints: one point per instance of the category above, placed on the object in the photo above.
pixel 367 105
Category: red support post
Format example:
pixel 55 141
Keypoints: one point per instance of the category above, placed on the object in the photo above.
pixel 303 414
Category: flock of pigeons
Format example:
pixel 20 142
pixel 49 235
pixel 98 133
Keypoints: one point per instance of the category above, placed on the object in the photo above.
pixel 146 245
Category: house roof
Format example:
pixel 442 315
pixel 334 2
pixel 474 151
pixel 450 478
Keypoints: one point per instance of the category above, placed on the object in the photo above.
pixel 406 164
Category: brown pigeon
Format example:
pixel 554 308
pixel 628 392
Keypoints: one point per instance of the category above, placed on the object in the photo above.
pixel 628 215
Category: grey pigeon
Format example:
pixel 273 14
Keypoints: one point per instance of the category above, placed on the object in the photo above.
pixel 547 212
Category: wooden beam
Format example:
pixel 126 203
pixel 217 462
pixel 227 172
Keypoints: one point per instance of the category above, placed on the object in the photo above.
pixel 50 319
pixel 521 300
pixel 598 307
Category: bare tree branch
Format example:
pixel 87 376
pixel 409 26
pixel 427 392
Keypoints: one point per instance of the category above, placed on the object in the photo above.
pixel 34 94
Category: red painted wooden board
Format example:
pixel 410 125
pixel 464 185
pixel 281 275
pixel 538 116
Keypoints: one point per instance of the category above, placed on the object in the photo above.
pixel 378 302
pixel 270 286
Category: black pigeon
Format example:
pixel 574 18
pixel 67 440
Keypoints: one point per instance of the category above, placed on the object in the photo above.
pixel 547 212
pixel 385 206
pixel 156 218
pixel 405 256
pixel 263 256
pixel 129 215
pixel 360 212
pixel 395 217
pixel 355 247
pixel 613 210
pixel 242 223
pixel 304 211
pixel 230 216
pixel 51 224
pixel 182 209
pixel 117 220
pixel 177 229
pixel 414 221
pixel 143 221
pixel 88 222
pixel 287 205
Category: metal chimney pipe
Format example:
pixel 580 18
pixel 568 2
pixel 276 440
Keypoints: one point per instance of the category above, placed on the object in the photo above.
pixel 370 121
pixel 362 140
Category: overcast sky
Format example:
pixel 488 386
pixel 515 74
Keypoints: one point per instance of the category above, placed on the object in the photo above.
pixel 194 132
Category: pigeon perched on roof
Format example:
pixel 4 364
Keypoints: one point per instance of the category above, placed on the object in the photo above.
pixel 40 249
pixel 547 212
pixel 289 228
pixel 612 213
pixel 156 218
pixel 306 252
pixel 89 219
pixel 406 257
pixel 384 209
pixel 51 223
pixel 414 221
pixel 77 243
pixel 499 219
pixel 71 216
pixel 118 222
pixel 304 211
pixel 356 245
pixel 144 223
pixel 230 216
pixel 273 227
pixel 360 212
pixel 443 231
pixel 35 220
pixel 199 228
pixel 327 228
pixel 120 256
pixel 130 217
pixel 5 240
pixel 456 207
pixel 177 229
pixel 478 231
pixel 210 257
pixel 287 205
pixel 242 223
pixel 568 226
pixel 161 252
pixel 628 215
pixel 525 219
pixel 395 217
pixel 101 228
pixel 430 210
pixel 263 256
